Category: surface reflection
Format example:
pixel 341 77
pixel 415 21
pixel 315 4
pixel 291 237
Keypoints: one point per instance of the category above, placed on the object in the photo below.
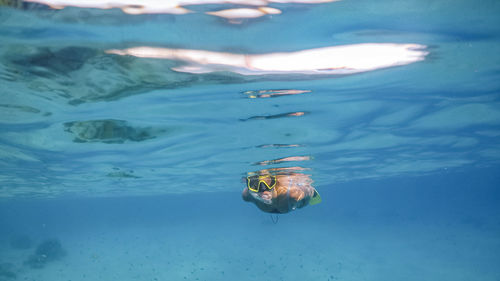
pixel 48 62
pixel 285 159
pixel 273 93
pixel 277 145
pixel 82 74
pixel 276 116
pixel 236 15
pixel 334 60
pixel 119 173
pixel 177 7
pixel 108 131
pixel 280 191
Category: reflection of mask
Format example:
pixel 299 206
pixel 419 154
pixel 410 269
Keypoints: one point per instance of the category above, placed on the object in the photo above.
pixel 259 183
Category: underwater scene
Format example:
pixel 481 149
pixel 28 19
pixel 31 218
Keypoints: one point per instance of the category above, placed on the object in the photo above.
pixel 266 140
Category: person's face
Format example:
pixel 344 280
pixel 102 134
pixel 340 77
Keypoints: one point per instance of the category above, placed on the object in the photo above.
pixel 264 195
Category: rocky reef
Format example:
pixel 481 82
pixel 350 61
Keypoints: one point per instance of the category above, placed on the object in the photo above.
pixel 7 271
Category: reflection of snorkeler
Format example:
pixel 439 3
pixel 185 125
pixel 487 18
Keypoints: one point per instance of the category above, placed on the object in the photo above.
pixel 280 193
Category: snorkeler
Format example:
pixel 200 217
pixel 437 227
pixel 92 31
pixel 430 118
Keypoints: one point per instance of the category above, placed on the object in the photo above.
pixel 280 193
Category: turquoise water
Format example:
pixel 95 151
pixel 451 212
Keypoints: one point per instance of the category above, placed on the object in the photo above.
pixel 133 160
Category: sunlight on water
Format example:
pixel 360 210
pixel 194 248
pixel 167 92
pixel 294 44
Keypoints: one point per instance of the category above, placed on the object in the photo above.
pixel 333 60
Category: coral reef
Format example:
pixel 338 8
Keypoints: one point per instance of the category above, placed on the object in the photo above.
pixel 47 251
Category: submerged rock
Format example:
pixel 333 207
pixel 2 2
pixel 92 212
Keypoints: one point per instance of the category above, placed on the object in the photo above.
pixel 35 261
pixel 7 271
pixel 47 251
pixel 51 248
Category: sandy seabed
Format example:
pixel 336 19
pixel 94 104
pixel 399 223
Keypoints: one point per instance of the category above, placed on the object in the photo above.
pixel 218 250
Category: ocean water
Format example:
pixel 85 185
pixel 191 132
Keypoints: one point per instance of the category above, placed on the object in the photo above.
pixel 127 130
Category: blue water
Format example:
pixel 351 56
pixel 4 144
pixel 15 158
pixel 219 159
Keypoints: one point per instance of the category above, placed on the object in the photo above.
pixel 134 165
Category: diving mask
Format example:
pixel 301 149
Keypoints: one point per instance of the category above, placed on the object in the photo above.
pixel 258 183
